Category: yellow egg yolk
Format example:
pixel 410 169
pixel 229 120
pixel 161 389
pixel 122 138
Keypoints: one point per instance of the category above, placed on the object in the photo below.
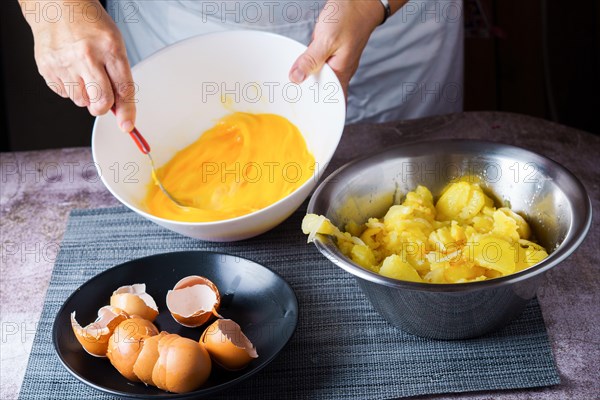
pixel 246 162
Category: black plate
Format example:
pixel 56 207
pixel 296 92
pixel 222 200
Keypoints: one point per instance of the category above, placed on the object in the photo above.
pixel 258 299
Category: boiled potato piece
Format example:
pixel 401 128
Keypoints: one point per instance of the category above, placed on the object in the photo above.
pixel 460 201
pixel 394 267
pixel 505 226
pixel 494 253
pixel 529 254
pixel 363 256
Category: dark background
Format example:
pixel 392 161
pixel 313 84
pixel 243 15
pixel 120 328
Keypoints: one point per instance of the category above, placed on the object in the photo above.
pixel 536 57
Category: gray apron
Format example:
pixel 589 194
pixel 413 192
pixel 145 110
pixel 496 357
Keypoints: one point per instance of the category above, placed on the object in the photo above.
pixel 412 66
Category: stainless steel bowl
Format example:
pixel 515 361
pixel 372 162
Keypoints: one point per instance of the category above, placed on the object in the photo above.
pixel 553 199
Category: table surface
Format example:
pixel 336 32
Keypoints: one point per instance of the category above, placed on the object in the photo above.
pixel 40 188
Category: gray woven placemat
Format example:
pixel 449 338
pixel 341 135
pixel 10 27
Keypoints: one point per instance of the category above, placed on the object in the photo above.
pixel 342 348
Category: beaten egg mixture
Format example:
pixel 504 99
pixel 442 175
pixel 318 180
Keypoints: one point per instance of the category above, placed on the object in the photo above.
pixel 246 162
pixel 461 238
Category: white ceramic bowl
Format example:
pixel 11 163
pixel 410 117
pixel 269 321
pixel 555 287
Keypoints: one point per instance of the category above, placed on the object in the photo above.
pixel 186 88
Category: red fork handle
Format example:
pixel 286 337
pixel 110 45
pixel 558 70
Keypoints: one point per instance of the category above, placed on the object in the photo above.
pixel 140 141
pixel 137 137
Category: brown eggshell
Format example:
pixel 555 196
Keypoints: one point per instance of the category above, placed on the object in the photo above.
pixel 227 345
pixel 159 373
pixel 193 301
pixel 183 365
pixel 94 337
pixel 126 343
pixel 143 366
pixel 135 301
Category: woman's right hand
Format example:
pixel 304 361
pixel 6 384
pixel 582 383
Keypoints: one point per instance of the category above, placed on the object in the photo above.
pixel 82 56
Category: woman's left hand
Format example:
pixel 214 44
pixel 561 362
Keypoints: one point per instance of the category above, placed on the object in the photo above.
pixel 339 38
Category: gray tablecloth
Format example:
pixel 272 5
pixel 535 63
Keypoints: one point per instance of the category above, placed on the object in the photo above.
pixel 342 348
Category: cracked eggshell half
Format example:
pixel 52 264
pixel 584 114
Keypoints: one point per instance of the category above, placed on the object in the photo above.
pixel 193 301
pixel 135 301
pixel 144 365
pixel 183 364
pixel 94 337
pixel 227 345
pixel 125 344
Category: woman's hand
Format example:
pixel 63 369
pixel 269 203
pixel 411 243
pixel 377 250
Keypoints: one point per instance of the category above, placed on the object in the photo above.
pixel 339 38
pixel 82 57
